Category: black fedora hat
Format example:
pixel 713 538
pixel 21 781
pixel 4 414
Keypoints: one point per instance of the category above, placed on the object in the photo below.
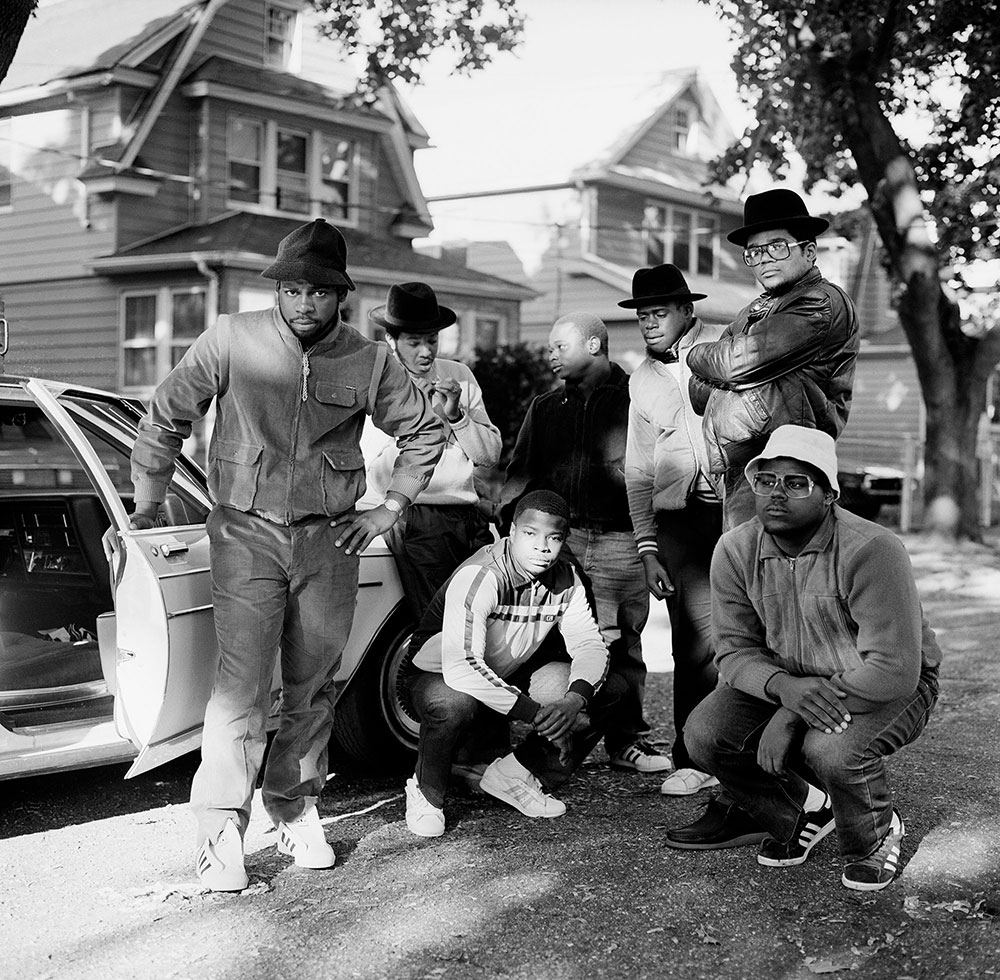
pixel 412 307
pixel 315 252
pixel 660 284
pixel 777 208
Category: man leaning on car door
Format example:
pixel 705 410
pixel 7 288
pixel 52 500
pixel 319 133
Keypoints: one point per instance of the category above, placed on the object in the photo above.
pixel 292 386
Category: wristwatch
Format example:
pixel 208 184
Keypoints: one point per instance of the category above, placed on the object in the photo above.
pixel 390 503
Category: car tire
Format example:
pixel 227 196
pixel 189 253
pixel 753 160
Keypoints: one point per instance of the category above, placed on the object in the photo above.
pixel 374 724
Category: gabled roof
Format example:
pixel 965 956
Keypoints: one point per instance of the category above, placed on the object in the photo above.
pixel 68 38
pixel 248 241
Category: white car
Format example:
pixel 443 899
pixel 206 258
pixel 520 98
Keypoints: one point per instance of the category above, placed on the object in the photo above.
pixel 107 644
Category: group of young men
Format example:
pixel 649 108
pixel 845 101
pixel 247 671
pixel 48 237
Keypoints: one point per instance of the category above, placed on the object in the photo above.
pixel 707 478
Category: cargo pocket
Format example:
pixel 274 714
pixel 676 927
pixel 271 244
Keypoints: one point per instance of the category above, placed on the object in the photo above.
pixel 343 480
pixel 236 466
pixel 338 400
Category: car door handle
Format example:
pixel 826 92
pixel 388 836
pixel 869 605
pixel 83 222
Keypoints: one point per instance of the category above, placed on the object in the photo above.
pixel 172 547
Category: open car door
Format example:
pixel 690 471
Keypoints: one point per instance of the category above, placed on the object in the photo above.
pixel 163 647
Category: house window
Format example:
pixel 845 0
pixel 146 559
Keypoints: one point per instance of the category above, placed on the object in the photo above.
pixel 336 165
pixel 292 172
pixel 487 332
pixel 276 169
pixel 6 174
pixel 246 156
pixel 279 36
pixel 158 327
pixel 683 237
pixel 679 128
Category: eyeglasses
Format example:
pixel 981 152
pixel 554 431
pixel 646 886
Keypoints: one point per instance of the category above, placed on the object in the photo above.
pixel 795 485
pixel 778 249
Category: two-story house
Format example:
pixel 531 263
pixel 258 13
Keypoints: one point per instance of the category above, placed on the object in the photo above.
pixel 639 195
pixel 154 152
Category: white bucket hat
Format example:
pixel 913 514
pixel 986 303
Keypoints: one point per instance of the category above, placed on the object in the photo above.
pixel 803 444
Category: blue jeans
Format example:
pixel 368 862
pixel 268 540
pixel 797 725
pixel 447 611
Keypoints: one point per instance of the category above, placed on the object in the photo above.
pixel 275 588
pixel 610 561
pixel 448 716
pixel 723 732
pixel 686 539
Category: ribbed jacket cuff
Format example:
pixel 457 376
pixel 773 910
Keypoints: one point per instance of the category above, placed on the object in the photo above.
pixel 149 491
pixel 584 688
pixel 524 709
pixel 647 546
pixel 408 486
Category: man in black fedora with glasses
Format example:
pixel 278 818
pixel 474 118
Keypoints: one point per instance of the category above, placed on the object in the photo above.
pixel 675 509
pixel 787 358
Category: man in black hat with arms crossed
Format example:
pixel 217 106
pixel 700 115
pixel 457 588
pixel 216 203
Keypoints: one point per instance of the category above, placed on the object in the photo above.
pixel 292 385
pixel 787 358
pixel 676 512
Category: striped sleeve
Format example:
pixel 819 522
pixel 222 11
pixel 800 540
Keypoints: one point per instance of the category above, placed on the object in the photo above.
pixel 473 593
pixel 584 643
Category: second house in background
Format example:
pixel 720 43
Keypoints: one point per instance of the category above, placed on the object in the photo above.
pixel 573 442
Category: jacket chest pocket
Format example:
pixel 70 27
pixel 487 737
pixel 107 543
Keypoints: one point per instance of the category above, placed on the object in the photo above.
pixel 236 468
pixel 336 402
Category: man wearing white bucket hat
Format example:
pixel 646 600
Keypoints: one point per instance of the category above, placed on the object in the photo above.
pixel 826 664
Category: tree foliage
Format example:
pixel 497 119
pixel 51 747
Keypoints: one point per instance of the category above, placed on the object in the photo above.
pixel 397 37
pixel 903 98
pixel 14 16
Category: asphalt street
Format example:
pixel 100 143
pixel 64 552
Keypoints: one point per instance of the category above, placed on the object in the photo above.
pixel 97 876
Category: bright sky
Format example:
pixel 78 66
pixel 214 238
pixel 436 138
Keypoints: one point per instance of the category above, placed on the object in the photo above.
pixel 534 111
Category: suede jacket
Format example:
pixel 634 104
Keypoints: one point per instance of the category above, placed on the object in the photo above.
pixel 285 445
pixel 785 359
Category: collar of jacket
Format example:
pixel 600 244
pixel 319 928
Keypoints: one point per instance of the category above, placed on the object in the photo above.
pixel 820 541
pixel 811 277
pixel 616 379
pixel 328 341
pixel 505 560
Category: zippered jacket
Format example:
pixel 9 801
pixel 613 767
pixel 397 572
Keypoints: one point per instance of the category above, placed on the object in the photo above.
pixel 845 608
pixel 665 451
pixel 785 360
pixel 288 420
pixel 491 618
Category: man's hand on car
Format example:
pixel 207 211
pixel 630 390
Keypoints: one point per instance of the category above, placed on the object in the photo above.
pixel 144 518
pixel 360 528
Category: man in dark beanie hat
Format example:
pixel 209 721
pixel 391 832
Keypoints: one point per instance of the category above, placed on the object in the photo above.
pixel 676 512
pixel 292 386
pixel 787 358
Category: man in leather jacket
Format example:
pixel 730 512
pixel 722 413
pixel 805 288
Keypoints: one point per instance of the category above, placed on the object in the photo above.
pixel 787 358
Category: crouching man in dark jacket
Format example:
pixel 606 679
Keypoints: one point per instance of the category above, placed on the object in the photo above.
pixel 787 358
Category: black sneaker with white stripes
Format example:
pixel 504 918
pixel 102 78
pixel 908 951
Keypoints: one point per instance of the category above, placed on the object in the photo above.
pixel 812 827
pixel 874 872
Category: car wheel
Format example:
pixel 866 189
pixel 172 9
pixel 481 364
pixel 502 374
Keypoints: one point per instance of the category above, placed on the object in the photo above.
pixel 374 724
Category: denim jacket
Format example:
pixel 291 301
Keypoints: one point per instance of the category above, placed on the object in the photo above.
pixel 288 420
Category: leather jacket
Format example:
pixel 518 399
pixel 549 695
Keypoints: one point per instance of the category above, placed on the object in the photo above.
pixel 785 359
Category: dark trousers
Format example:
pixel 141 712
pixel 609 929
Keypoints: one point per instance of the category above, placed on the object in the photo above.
pixel 429 542
pixel 686 539
pixel 447 716
pixel 724 731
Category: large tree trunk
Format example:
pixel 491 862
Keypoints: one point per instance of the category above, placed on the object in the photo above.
pixel 952 366
pixel 14 16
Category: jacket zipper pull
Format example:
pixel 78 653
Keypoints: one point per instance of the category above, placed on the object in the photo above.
pixel 305 376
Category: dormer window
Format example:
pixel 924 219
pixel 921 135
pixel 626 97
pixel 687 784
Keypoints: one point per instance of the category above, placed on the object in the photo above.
pixel 279 36
pixel 277 169
pixel 679 128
